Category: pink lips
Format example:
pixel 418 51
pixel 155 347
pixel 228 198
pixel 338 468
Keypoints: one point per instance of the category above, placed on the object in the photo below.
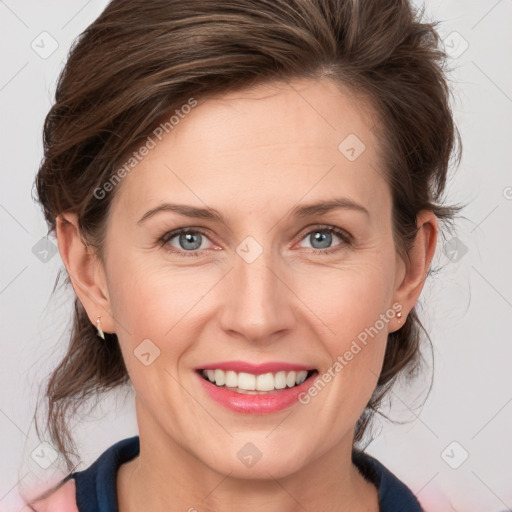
pixel 261 403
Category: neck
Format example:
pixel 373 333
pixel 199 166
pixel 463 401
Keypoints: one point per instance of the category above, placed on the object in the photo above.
pixel 167 477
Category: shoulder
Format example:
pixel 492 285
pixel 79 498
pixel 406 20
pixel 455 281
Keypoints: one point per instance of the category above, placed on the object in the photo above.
pixel 92 489
pixel 59 499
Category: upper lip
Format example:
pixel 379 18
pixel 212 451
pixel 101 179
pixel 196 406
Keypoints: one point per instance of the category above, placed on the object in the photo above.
pixel 256 369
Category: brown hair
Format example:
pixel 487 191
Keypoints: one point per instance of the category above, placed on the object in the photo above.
pixel 140 60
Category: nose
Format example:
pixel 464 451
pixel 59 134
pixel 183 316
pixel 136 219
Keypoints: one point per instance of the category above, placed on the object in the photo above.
pixel 258 302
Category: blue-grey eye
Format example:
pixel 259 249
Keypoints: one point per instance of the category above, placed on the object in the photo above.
pixel 190 241
pixel 322 239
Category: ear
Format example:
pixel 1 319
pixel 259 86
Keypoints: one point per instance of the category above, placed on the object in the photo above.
pixel 415 268
pixel 85 270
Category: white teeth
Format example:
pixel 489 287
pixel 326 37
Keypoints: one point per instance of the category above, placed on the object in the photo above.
pixel 231 380
pixel 301 377
pixel 251 382
pixel 280 380
pixel 245 381
pixel 220 377
pixel 265 382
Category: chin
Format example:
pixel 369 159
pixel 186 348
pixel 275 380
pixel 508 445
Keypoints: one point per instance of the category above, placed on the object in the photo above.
pixel 259 459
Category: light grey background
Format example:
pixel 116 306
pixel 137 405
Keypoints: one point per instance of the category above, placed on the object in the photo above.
pixel 467 307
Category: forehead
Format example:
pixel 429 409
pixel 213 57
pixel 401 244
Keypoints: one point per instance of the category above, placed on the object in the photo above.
pixel 249 148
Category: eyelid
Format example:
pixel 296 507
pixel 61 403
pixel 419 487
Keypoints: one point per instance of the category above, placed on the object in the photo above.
pixel 342 233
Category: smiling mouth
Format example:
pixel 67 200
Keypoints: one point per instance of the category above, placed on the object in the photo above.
pixel 256 384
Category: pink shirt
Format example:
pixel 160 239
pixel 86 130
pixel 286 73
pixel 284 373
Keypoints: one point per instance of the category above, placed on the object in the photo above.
pixel 61 500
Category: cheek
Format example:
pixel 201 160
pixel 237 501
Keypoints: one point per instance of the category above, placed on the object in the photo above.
pixel 159 303
pixel 349 300
pixel 155 310
pixel 352 311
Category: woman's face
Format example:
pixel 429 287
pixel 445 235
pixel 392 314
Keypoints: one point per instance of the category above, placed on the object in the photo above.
pixel 260 281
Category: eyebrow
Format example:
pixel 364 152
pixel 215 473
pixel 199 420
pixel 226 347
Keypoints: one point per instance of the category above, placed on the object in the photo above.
pixel 318 208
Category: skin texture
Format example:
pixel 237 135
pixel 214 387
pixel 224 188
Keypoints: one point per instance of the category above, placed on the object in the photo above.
pixel 254 156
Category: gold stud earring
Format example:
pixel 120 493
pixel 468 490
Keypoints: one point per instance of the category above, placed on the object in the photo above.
pixel 399 316
pixel 100 332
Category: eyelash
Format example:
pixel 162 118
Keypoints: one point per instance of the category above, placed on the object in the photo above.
pixel 343 235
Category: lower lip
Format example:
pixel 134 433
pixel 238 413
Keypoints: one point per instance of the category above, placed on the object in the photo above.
pixel 264 403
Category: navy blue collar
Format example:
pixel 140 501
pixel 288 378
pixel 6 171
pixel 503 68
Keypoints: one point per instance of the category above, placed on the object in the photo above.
pixel 394 495
pixel 96 485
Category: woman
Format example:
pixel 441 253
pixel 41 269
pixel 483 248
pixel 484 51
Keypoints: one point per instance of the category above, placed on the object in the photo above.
pixel 246 199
